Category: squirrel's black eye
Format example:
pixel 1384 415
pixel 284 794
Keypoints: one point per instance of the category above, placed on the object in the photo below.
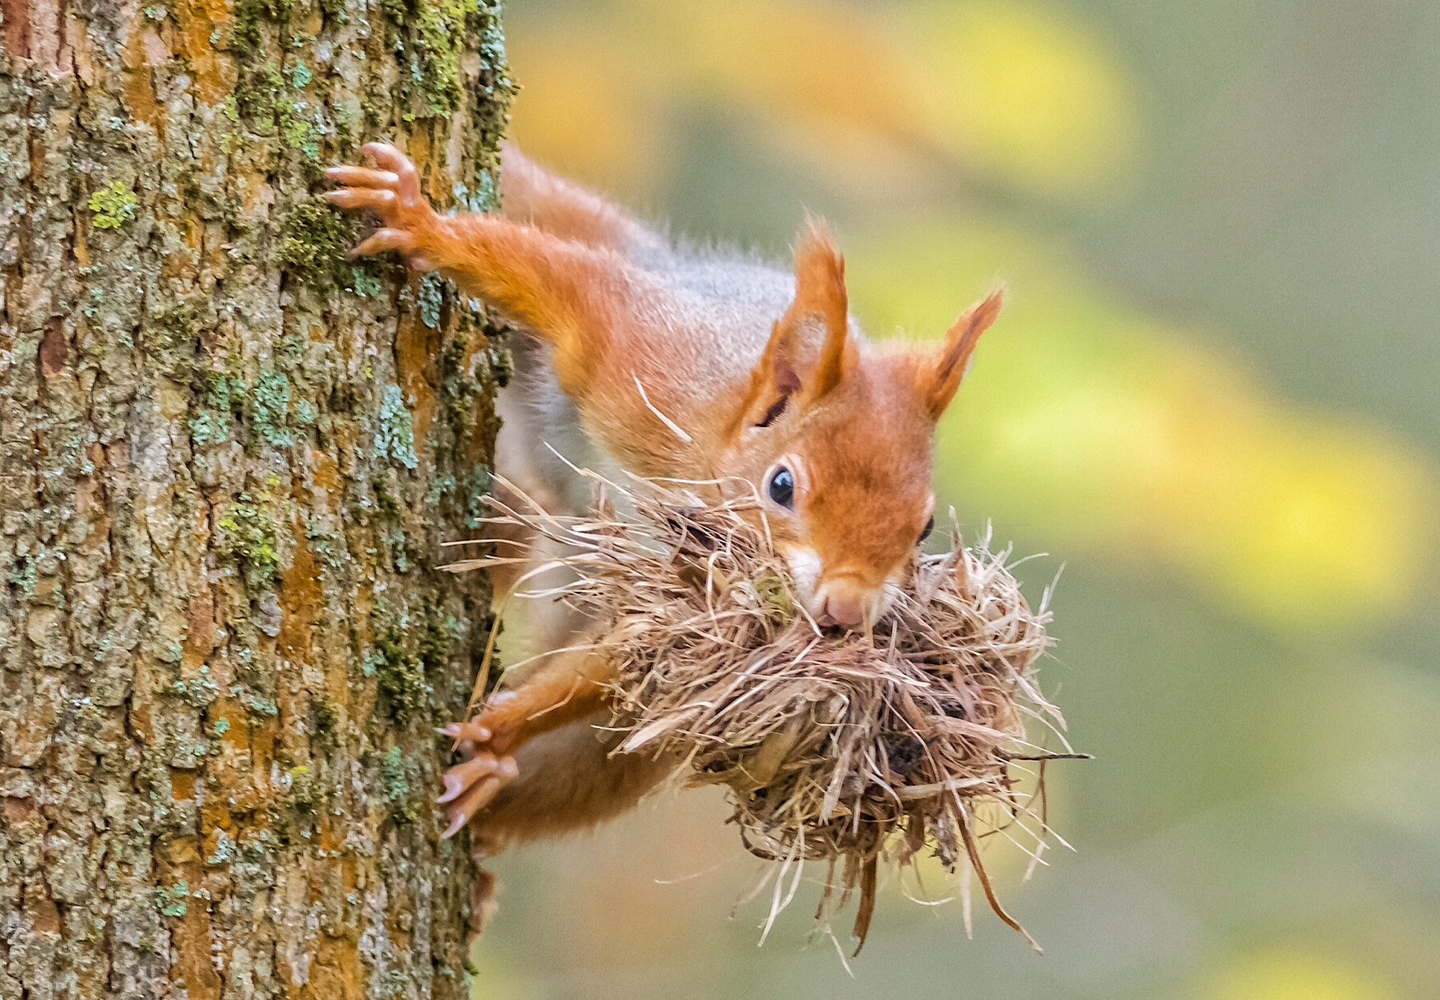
pixel 929 527
pixel 782 487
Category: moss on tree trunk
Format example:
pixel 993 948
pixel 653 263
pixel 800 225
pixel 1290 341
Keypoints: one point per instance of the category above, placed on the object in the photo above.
pixel 227 458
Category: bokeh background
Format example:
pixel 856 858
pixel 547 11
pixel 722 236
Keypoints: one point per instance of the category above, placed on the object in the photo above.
pixel 1214 398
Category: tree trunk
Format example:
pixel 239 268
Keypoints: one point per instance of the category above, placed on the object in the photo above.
pixel 227 459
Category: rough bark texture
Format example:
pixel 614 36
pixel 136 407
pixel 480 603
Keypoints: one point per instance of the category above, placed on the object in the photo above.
pixel 227 457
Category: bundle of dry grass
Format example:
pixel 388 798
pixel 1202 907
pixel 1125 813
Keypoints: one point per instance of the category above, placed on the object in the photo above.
pixel 838 748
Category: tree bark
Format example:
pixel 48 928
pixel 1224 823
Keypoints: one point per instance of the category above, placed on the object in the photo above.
pixel 227 458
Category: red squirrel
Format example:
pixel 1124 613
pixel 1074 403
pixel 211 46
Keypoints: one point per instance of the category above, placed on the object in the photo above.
pixel 675 364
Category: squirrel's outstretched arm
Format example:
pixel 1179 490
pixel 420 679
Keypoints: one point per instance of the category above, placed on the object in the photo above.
pixel 619 336
pixel 575 296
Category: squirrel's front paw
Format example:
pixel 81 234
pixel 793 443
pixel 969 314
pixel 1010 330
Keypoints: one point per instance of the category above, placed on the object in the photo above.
pixel 486 740
pixel 393 193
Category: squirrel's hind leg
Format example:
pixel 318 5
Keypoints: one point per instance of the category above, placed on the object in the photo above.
pixel 571 684
pixel 570 780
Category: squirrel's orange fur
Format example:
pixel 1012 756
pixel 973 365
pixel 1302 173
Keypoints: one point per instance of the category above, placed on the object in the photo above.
pixel 677 365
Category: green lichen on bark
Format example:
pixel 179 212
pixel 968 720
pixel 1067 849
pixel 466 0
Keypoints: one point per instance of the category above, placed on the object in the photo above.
pixel 413 645
pixel 269 411
pixel 316 242
pixel 173 902
pixel 251 17
pixel 434 88
pixel 395 435
pixel 113 206
pixel 249 538
pixel 399 674
pixel 399 776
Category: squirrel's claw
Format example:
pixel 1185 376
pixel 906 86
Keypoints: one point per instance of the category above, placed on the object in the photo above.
pixel 393 194
pixel 467 774
pixel 378 199
pixel 486 740
pixel 385 239
pixel 471 785
pixel 363 177
pixel 472 730
pixel 407 183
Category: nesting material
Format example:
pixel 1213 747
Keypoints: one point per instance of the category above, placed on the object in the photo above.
pixel 846 749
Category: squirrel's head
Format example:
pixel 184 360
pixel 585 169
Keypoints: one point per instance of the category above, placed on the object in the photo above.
pixel 840 441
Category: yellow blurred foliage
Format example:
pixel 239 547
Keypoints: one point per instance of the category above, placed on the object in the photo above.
pixel 1024 95
pixel 588 108
pixel 1285 974
pixel 822 62
pixel 1017 93
pixel 1099 430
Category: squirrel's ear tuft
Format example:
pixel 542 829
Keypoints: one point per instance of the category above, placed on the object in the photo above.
pixel 941 381
pixel 793 364
pixel 820 295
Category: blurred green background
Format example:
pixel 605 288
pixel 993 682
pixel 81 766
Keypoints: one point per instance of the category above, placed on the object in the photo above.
pixel 1214 397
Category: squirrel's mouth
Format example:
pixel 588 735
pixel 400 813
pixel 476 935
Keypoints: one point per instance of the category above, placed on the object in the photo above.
pixel 837 598
pixel 846 601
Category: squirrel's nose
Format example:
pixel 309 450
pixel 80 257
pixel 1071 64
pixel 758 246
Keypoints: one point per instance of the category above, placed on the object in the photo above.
pixel 844 607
